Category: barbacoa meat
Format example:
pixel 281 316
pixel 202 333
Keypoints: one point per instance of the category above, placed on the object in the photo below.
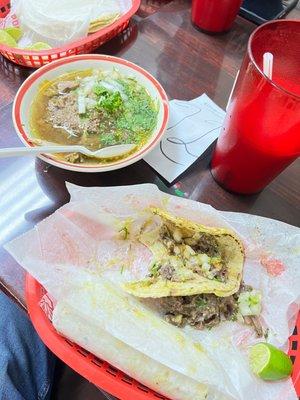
pixel 200 311
pixel 206 310
pixel 67 86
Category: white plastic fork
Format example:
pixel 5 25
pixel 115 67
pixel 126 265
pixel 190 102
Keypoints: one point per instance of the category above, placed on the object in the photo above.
pixel 106 152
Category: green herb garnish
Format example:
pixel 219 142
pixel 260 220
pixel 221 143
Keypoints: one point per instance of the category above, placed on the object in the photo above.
pixel 154 269
pixel 133 110
pixel 253 300
pixel 140 111
pixel 218 279
pixel 234 318
pixel 110 101
pixel 108 139
pixel 100 91
pixel 125 232
pixel 200 302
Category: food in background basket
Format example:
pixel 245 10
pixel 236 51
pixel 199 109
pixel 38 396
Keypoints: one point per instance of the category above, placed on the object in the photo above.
pixel 93 108
pixel 59 22
pixel 7 39
pixel 38 46
pixel 11 36
pixel 103 22
pixel 16 33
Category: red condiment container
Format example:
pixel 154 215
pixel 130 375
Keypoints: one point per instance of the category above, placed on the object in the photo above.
pixel 215 16
pixel 261 132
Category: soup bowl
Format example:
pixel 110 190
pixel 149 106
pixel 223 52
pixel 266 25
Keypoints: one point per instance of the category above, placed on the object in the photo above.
pixel 27 92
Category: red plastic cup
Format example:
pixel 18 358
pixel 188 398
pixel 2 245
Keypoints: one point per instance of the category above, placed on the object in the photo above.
pixel 215 16
pixel 261 132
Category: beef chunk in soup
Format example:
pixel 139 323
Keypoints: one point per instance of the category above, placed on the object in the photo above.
pixel 67 86
pixel 63 113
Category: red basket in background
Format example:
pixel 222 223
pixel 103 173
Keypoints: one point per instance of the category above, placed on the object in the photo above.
pixel 4 8
pixel 36 59
pixel 99 372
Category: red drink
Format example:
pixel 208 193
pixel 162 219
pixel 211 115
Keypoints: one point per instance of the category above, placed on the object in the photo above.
pixel 215 16
pixel 261 132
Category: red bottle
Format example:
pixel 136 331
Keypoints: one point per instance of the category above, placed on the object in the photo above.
pixel 261 132
pixel 215 16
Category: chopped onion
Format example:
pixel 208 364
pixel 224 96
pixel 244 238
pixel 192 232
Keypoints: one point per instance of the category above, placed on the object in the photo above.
pixel 90 103
pixel 250 303
pixel 204 259
pixel 88 85
pixel 114 86
pixel 81 105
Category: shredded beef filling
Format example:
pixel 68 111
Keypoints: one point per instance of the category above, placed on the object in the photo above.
pixel 206 244
pixel 198 253
pixel 205 310
pixel 201 311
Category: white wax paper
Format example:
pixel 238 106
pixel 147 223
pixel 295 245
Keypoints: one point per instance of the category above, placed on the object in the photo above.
pixel 78 240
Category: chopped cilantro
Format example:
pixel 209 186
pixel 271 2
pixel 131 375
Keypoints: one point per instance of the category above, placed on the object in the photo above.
pixel 200 302
pixel 107 99
pixel 154 269
pixel 234 317
pixel 100 91
pixel 111 101
pixel 140 112
pixel 218 279
pixel 128 108
pixel 124 231
pixel 253 300
pixel 108 139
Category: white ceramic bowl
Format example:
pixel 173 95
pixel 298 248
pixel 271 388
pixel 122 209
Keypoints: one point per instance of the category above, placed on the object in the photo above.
pixel 28 90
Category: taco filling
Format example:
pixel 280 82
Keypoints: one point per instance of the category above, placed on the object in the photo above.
pixel 195 277
pixel 188 259
pixel 208 310
pixel 198 253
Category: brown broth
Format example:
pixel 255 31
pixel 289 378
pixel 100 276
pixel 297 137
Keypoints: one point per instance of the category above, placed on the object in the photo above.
pixel 44 130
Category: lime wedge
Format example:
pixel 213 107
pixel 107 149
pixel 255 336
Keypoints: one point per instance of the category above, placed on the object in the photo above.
pixel 39 46
pixel 269 363
pixel 6 39
pixel 16 33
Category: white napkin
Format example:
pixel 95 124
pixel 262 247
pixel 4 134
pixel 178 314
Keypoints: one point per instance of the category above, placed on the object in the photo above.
pixel 193 126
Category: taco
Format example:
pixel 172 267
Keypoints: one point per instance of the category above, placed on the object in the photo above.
pixel 188 259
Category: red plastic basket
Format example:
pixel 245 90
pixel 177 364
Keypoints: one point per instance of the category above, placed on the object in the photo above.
pixel 99 372
pixel 36 59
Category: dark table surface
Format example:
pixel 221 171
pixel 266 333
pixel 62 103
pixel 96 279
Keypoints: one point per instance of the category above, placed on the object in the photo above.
pixel 187 62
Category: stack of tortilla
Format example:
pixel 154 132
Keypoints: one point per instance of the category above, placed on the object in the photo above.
pixel 57 22
pixel 107 11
